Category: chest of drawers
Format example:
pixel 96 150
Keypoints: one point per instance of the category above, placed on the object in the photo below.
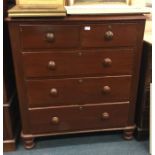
pixel 77 74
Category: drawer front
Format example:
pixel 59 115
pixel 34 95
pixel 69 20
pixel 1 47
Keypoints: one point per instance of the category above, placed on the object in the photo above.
pixel 104 62
pixel 78 118
pixel 58 92
pixel 49 36
pixel 109 35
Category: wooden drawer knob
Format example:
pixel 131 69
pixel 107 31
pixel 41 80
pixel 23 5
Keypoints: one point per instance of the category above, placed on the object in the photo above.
pixel 106 89
pixel 55 120
pixel 54 92
pixel 50 37
pixel 105 115
pixel 109 35
pixel 107 62
pixel 51 65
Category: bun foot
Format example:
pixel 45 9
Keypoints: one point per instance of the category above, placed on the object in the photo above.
pixel 128 134
pixel 28 141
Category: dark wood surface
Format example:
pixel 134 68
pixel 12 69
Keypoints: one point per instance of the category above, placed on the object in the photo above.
pixel 143 100
pixel 67 36
pixel 78 118
pixel 36 36
pixel 96 37
pixel 82 18
pixel 77 74
pixel 78 63
pixel 86 90
pixel 10 124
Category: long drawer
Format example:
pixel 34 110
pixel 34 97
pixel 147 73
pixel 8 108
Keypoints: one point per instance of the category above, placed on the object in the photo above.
pixel 49 36
pixel 109 35
pixel 59 92
pixel 87 62
pixel 78 118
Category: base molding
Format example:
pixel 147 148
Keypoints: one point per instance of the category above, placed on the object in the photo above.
pixel 9 145
pixel 28 139
pixel 83 131
pixel 11 124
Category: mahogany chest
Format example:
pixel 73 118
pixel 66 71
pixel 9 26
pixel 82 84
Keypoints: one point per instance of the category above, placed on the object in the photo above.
pixel 77 74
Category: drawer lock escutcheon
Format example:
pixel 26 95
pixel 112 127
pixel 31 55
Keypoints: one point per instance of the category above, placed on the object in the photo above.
pixel 80 80
pixel 50 37
pixel 80 107
pixel 79 53
pixel 55 120
pixel 105 115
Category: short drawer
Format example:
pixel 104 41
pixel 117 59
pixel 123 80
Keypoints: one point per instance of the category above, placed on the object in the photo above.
pixel 59 92
pixel 77 118
pixel 104 62
pixel 49 36
pixel 109 35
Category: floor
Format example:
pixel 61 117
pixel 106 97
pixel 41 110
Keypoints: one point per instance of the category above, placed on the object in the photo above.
pixel 85 144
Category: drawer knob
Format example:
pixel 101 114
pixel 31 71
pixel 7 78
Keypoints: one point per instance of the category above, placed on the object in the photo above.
pixel 54 92
pixel 105 115
pixel 106 89
pixel 109 35
pixel 50 37
pixel 51 65
pixel 55 120
pixel 107 62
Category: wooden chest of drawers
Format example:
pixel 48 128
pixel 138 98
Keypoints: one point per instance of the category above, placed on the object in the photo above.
pixel 77 74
